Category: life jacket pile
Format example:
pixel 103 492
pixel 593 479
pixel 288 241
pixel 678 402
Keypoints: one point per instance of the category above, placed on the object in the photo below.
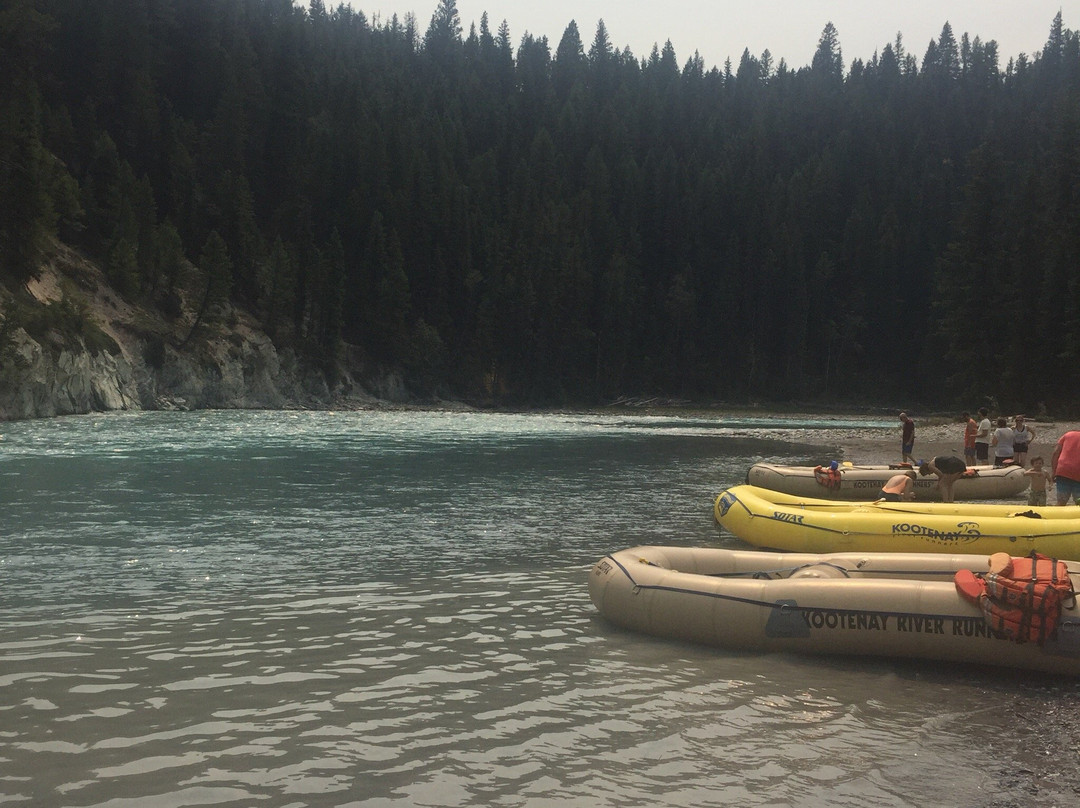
pixel 1021 598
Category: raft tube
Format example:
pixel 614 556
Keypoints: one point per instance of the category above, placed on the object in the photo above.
pixel 871 604
pixel 851 482
pixel 780 521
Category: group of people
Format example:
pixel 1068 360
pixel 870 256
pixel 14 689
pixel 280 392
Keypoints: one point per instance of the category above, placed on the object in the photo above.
pixel 1010 443
pixel 948 468
pixel 1010 446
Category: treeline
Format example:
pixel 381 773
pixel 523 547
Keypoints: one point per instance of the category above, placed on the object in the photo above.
pixel 538 224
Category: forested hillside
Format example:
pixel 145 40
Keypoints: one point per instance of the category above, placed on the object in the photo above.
pixel 531 222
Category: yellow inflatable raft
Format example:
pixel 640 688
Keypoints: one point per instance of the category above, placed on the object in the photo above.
pixel 780 521
pixel 849 481
pixel 876 604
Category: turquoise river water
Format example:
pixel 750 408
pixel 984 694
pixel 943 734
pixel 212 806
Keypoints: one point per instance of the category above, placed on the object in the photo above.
pixel 391 609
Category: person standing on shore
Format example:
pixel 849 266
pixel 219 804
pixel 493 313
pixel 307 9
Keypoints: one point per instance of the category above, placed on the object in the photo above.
pixel 982 438
pixel 907 439
pixel 1065 467
pixel 1002 443
pixel 970 430
pixel 1023 435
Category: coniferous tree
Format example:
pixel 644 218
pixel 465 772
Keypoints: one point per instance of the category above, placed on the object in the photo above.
pixel 217 269
pixel 27 217
pixel 551 226
pixel 569 66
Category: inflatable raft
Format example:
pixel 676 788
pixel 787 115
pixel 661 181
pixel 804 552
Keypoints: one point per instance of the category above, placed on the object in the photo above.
pixel 848 481
pixel 780 521
pixel 873 604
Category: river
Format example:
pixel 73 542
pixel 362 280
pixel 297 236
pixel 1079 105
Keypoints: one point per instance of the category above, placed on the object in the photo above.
pixel 390 609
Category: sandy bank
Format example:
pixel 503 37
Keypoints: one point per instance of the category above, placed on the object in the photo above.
pixel 932 439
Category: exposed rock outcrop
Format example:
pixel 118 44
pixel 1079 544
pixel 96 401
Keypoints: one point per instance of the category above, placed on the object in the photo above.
pixel 47 383
pixel 134 358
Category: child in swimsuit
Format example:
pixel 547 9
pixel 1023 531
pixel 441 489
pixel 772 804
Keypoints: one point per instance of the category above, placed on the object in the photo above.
pixel 1040 481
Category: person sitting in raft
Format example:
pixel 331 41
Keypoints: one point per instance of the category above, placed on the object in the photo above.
pixel 900 487
pixel 948 469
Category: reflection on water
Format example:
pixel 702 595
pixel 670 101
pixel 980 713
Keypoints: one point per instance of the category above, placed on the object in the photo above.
pixel 390 609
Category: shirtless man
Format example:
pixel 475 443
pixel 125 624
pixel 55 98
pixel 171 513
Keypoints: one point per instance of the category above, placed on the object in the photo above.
pixel 899 488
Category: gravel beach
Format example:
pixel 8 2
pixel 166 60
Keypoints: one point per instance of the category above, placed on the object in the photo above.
pixel 934 437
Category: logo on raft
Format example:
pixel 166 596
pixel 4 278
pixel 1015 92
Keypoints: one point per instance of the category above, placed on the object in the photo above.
pixel 788 620
pixel 794 518
pixel 727 499
pixel 965 532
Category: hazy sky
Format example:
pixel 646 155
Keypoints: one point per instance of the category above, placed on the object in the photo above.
pixel 790 29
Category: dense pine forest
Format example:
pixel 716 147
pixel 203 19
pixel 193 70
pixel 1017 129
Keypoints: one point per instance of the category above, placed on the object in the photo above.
pixel 527 222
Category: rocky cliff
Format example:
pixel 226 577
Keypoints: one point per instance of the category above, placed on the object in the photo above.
pixel 69 344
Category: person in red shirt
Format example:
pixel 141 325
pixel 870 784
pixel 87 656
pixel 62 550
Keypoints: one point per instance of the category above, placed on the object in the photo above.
pixel 970 430
pixel 1065 467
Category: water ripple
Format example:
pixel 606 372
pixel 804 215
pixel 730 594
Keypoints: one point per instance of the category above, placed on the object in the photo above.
pixel 368 609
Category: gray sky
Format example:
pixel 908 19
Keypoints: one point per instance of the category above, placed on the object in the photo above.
pixel 790 29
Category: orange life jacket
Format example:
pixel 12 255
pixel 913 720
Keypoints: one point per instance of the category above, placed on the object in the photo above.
pixel 1021 598
pixel 1018 625
pixel 1034 583
pixel 828 477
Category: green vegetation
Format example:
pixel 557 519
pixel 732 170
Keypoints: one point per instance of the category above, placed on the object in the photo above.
pixel 567 225
pixel 54 325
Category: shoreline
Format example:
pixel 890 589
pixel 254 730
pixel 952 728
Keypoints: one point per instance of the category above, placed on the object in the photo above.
pixel 876 446
pixel 932 440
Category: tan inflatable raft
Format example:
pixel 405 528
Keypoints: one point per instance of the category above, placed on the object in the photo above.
pixel 877 604
pixel 849 481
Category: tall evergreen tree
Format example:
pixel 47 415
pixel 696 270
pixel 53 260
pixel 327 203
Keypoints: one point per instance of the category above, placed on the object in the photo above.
pixel 27 217
pixel 550 226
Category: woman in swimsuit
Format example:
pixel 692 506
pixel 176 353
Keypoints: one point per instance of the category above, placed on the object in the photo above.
pixel 1023 435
